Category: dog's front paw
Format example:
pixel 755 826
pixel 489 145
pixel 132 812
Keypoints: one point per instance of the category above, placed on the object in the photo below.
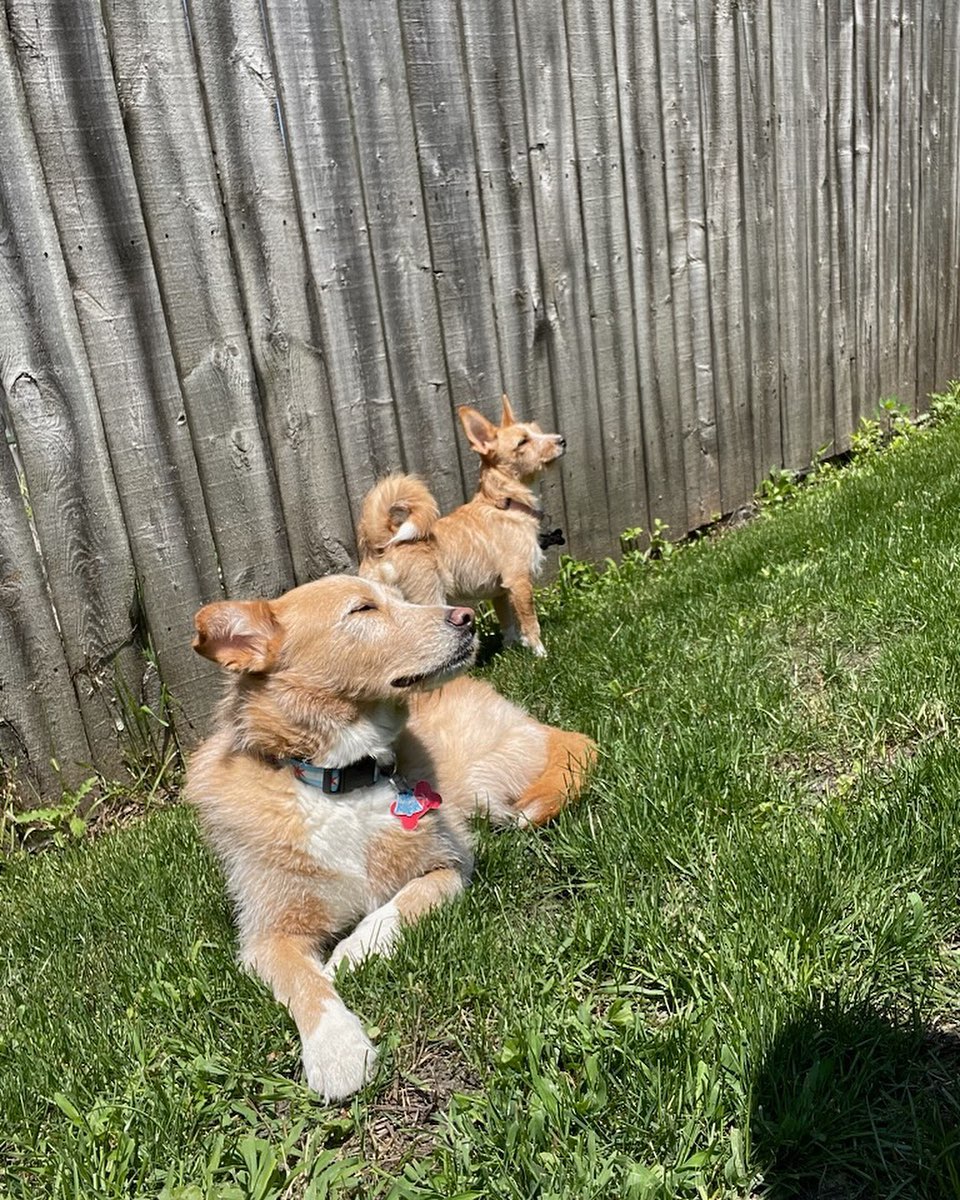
pixel 338 1057
pixel 538 648
pixel 376 934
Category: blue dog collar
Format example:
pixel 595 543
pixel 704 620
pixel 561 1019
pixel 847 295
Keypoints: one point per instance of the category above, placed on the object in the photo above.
pixel 337 781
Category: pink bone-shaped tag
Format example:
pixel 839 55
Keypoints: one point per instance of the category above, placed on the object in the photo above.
pixel 409 807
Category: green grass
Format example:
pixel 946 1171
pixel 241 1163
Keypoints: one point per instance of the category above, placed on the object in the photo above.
pixel 731 971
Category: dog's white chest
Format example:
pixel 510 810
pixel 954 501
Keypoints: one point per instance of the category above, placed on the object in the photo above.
pixel 341 829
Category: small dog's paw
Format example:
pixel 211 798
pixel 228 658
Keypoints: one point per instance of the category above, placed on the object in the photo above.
pixel 338 1057
pixel 376 934
pixel 538 648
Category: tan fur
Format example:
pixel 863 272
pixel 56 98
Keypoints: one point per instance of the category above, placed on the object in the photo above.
pixel 326 673
pixel 487 549
pixel 397 500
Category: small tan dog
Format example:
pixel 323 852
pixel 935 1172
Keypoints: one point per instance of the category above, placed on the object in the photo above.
pixel 487 549
pixel 303 794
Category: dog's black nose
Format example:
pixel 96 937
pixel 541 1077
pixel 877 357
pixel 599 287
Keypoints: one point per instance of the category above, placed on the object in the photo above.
pixel 561 440
pixel 461 617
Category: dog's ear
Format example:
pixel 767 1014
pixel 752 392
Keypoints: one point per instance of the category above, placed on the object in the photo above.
pixel 507 418
pixel 241 635
pixel 481 434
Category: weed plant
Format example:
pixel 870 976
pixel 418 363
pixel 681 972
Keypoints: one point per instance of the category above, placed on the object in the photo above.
pixel 731 971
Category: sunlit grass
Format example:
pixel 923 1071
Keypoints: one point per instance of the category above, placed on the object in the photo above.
pixel 730 971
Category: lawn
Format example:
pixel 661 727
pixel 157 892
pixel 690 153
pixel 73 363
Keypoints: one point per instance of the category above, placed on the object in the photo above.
pixel 732 971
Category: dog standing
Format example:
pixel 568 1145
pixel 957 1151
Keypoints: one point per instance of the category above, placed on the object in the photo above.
pixel 487 549
pixel 320 790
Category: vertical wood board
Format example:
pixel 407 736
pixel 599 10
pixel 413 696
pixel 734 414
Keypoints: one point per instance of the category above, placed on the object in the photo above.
pixel 170 154
pixel 267 242
pixel 392 195
pixel 724 231
pixel 503 164
pixel 49 401
pixel 63 60
pixel 451 188
pixel 554 179
pixel 760 303
pixel 645 149
pixel 314 91
pixel 600 171
pixel 40 713
pixel 678 65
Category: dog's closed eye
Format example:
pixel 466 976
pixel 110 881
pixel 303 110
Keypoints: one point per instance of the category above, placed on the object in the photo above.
pixel 364 606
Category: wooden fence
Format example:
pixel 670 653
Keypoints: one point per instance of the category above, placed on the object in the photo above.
pixel 253 254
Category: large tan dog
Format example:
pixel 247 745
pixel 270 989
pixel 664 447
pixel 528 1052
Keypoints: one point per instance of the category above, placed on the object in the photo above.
pixel 487 549
pixel 303 793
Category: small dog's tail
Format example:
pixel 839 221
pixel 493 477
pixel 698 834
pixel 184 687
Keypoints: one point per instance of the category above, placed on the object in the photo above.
pixel 400 508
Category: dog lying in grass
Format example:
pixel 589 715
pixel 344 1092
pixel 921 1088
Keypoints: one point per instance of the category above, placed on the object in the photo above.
pixel 338 786
pixel 487 549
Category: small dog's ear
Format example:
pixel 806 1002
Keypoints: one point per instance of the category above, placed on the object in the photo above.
pixel 481 434
pixel 508 418
pixel 241 635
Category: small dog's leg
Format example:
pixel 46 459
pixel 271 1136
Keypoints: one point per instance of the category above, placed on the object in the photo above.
pixel 521 598
pixel 378 931
pixel 338 1057
pixel 569 754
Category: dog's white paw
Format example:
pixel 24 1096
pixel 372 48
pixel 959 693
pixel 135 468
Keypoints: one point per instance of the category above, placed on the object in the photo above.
pixel 538 648
pixel 376 934
pixel 338 1057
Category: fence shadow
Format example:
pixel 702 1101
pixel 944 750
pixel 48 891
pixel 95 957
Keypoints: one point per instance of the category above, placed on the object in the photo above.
pixel 852 1105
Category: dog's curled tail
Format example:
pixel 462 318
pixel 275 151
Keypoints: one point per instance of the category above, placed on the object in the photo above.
pixel 400 508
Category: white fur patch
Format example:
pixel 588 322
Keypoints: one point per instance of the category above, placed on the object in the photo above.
pixel 340 830
pixel 376 934
pixel 338 1057
pixel 408 532
pixel 371 735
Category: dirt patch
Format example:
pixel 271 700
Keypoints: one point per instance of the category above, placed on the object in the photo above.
pixel 401 1123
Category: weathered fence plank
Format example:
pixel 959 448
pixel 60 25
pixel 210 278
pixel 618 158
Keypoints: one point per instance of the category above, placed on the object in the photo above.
pixel 724 217
pixel 755 135
pixel 887 137
pixel 840 167
pixel 678 65
pixel 931 166
pixel 948 320
pixel 406 285
pixel 911 74
pixel 503 165
pixel 314 91
pixel 63 60
pixel 645 147
pixel 865 228
pixel 166 132
pixel 818 288
pixel 451 186
pixel 266 237
pixel 790 29
pixel 599 168
pixel 46 391
pixel 568 333
pixel 40 717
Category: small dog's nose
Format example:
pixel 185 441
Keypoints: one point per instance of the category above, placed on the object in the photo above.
pixel 561 440
pixel 461 617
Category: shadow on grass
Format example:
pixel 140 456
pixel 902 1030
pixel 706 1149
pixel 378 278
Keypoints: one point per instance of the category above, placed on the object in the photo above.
pixel 490 645
pixel 850 1105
